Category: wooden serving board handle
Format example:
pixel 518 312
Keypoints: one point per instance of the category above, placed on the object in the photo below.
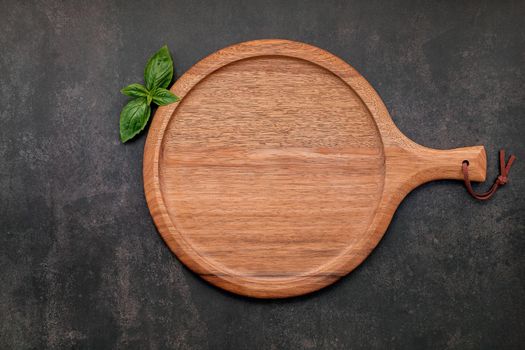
pixel 418 164
pixel 446 164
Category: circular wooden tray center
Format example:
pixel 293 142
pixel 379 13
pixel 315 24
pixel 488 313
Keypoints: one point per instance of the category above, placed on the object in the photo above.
pixel 270 168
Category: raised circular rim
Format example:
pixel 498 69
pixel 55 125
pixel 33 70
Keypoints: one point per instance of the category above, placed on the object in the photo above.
pixel 153 150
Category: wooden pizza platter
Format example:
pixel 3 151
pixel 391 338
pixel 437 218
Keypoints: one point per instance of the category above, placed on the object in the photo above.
pixel 280 169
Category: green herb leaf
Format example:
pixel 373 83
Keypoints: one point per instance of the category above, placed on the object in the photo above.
pixel 158 75
pixel 159 70
pixel 133 118
pixel 164 97
pixel 135 90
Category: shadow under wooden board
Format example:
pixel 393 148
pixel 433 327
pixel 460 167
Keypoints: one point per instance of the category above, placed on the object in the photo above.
pixel 280 169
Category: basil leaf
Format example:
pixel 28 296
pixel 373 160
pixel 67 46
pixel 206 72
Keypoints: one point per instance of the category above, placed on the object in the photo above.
pixel 135 90
pixel 159 70
pixel 164 97
pixel 133 118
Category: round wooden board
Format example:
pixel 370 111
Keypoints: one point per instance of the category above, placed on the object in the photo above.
pixel 280 169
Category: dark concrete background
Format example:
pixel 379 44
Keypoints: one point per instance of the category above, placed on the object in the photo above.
pixel 82 266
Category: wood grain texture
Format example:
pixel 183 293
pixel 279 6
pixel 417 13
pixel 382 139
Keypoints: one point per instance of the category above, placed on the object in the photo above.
pixel 280 169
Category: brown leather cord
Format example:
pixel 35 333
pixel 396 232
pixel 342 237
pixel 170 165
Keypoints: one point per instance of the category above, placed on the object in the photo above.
pixel 500 181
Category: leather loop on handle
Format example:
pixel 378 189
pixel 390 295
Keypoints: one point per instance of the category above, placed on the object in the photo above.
pixel 500 181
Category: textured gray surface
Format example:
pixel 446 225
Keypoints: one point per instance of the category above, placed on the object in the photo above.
pixel 82 266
